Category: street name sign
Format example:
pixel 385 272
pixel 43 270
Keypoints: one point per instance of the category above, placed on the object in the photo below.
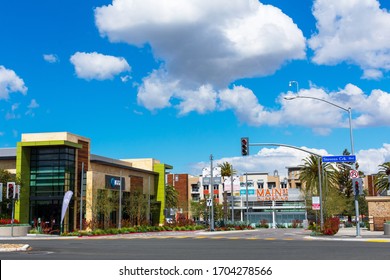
pixel 350 158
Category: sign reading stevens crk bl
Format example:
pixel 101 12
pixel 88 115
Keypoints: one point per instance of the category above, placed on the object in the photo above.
pixel 350 158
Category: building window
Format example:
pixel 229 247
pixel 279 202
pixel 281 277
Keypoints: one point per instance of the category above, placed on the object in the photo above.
pixel 206 187
pixel 271 185
pixel 260 184
pixel 52 173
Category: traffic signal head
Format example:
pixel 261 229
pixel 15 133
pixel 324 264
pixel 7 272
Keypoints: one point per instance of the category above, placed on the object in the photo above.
pixel 244 146
pixel 357 186
pixel 10 190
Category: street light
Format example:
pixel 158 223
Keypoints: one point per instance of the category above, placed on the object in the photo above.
pixel 290 84
pixel 349 110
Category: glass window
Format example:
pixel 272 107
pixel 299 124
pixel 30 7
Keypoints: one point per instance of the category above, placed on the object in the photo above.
pixel 51 169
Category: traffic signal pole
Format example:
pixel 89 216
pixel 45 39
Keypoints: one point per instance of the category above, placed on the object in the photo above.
pixel 211 194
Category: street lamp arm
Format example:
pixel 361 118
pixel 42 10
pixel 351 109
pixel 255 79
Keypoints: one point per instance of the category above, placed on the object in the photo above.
pixel 285 145
pixel 323 100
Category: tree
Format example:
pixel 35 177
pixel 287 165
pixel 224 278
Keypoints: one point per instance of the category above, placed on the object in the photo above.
pixel 106 203
pixel 226 171
pixel 171 197
pixel 309 176
pixel 381 181
pixel 201 210
pixel 342 178
pixel 136 206
pixel 198 209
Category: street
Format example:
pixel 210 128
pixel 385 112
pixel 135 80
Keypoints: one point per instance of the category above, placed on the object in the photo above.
pixel 246 245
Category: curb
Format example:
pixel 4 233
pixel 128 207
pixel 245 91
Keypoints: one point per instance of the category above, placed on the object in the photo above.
pixel 358 239
pixel 14 247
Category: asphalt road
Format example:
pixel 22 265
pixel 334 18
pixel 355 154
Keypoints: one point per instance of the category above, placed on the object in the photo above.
pixel 187 248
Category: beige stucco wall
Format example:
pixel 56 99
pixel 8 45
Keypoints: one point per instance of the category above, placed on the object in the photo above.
pixel 9 165
pixel 378 211
pixel 143 163
pixel 96 179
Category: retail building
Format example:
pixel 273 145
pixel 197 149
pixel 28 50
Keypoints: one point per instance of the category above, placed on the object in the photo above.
pixel 50 164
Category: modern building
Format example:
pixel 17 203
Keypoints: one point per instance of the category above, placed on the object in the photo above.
pixel 181 182
pixel 257 196
pixel 265 198
pixel 50 164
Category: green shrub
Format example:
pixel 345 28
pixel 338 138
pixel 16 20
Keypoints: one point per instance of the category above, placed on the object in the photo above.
pixel 98 232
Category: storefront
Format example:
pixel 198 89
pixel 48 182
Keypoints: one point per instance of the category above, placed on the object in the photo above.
pixel 51 164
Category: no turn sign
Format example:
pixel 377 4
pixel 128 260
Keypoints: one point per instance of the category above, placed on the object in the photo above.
pixel 353 174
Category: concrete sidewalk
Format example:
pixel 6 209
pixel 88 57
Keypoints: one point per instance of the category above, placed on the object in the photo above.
pixel 349 234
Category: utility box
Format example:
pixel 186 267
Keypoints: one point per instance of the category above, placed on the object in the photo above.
pixel 386 228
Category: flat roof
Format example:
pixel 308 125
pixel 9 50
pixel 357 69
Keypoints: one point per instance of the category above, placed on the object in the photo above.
pixel 8 153
pixel 118 163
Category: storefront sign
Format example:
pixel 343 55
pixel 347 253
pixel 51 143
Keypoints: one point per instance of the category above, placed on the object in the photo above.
pixel 114 183
pixel 250 192
pixel 273 194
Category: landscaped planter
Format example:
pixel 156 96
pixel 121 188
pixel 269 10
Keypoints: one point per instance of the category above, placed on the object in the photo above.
pixel 17 230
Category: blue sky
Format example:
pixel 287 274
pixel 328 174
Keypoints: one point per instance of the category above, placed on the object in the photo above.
pixel 179 80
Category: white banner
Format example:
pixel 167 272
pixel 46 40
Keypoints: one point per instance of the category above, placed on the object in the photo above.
pixel 236 184
pixel 65 203
pixel 315 203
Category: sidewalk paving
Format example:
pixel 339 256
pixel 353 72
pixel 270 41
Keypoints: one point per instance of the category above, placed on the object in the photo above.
pixel 349 234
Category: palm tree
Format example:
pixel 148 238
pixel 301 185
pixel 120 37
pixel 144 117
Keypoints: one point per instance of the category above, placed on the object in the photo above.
pixel 382 179
pixel 226 169
pixel 309 176
pixel 171 197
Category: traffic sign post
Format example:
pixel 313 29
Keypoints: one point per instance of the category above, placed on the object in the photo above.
pixel 353 174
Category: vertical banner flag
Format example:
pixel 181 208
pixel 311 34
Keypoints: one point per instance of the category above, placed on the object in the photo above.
pixel 315 204
pixel 65 203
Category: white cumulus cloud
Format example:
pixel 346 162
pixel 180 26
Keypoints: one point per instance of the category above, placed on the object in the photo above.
pixel 203 45
pixel 10 82
pixel 271 159
pixel 51 58
pixel 368 110
pixel 355 31
pixel 98 66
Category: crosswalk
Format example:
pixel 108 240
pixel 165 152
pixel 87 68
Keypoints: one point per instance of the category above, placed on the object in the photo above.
pixel 207 237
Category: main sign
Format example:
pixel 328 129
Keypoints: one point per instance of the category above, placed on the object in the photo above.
pixel 351 158
pixel 273 194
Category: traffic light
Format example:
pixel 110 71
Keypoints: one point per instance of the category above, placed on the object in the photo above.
pixel 245 146
pixel 357 186
pixel 17 192
pixel 10 190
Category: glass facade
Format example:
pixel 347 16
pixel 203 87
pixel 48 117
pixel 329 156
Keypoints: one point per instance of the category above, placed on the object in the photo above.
pixel 52 173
